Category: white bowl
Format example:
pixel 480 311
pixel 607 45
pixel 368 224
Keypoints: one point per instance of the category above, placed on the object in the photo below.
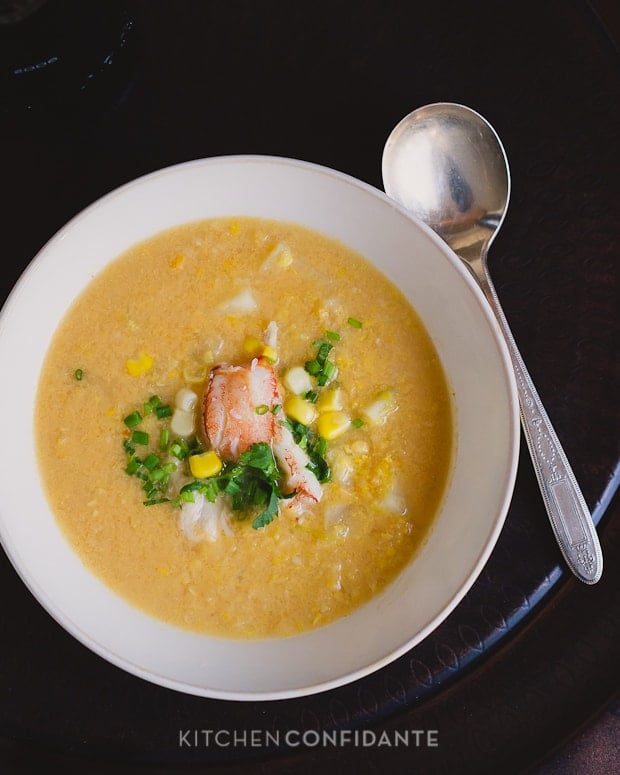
pixel 469 345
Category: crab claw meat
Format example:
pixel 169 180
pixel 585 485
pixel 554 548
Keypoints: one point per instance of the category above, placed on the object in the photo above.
pixel 292 460
pixel 238 412
pixel 238 407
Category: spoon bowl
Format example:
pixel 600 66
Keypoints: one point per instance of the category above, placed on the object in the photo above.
pixel 446 165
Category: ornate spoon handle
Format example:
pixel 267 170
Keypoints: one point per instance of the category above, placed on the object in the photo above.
pixel 569 515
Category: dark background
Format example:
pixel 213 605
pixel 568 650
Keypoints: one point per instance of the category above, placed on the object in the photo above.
pixel 530 657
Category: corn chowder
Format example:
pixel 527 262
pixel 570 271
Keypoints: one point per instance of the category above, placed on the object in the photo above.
pixel 243 428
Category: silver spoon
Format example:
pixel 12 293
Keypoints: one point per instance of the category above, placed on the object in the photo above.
pixel 446 165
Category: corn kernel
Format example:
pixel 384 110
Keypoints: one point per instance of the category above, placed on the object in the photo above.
pixel 330 425
pixel 205 464
pixel 300 410
pixel 140 365
pixel 330 400
pixel 269 353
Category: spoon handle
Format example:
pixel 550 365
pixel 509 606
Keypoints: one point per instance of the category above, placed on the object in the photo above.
pixel 570 519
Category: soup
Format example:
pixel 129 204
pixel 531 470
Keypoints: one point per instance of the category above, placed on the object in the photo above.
pixel 243 428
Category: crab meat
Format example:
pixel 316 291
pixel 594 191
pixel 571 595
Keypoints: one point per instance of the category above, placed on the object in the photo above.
pixel 293 461
pixel 238 413
pixel 238 407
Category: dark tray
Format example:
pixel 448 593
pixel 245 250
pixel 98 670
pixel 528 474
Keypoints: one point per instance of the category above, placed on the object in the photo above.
pixel 530 654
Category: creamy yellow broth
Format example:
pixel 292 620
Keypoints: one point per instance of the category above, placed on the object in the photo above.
pixel 166 299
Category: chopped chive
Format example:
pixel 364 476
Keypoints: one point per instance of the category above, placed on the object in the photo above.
pixel 152 404
pixel 211 490
pixel 133 419
pixel 140 437
pixel 164 436
pixel 156 475
pixel 277 408
pixel 151 461
pixel 335 337
pixel 262 409
pixel 357 423
pixel 155 501
pixel 78 374
pixel 169 468
pixel 313 367
pixel 329 369
pixel 187 496
pixel 163 411
pixel 312 396
pixel 128 447
pixel 320 448
pixel 195 485
pixel 322 380
pixel 133 465
pixel 179 449
pixel 354 323
pixel 323 352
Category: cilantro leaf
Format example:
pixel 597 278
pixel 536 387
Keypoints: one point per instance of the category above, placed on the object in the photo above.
pixel 267 516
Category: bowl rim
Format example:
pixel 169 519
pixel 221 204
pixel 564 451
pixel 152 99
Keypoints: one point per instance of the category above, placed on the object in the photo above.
pixel 52 607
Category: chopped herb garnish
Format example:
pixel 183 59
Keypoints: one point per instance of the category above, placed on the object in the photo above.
pixel 313 367
pixel 322 368
pixel 357 422
pixel 179 449
pixel 354 323
pixel 133 419
pixel 133 465
pixel 140 437
pixel 276 408
pixel 267 516
pixel 332 335
pixel 156 501
pixel 152 404
pixel 78 374
pixel 262 409
pixel 151 461
pixel 312 396
pixel 163 411
pixel 164 437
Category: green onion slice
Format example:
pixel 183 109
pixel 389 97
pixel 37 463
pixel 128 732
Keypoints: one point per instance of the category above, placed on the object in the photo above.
pixel 140 437
pixel 133 419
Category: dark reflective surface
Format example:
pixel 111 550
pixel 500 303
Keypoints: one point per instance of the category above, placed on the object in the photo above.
pixel 529 654
pixel 64 54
